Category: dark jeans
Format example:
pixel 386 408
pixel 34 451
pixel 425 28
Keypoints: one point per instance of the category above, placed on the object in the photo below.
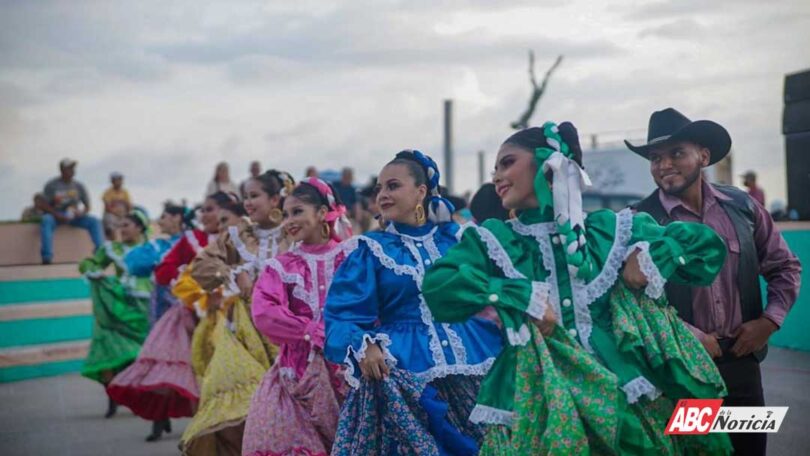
pixel 744 383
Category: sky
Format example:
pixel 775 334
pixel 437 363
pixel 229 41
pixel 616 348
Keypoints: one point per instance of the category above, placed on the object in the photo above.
pixel 162 91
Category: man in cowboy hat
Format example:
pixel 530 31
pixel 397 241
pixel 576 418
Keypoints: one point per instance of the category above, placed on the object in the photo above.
pixel 728 316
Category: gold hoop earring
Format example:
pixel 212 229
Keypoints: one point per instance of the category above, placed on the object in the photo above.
pixel 326 231
pixel 420 214
pixel 276 216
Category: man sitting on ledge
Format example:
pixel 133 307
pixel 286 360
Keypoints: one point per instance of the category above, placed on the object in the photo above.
pixel 63 196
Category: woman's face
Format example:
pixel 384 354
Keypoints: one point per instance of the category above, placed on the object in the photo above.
pixel 170 224
pixel 130 231
pixel 398 195
pixel 209 216
pixel 515 168
pixel 303 222
pixel 223 174
pixel 227 218
pixel 257 203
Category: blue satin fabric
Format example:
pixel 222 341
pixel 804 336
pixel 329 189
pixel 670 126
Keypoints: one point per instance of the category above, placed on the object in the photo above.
pixel 142 260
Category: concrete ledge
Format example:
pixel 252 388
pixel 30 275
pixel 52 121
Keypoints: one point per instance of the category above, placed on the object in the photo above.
pixel 39 354
pixel 20 244
pixel 46 310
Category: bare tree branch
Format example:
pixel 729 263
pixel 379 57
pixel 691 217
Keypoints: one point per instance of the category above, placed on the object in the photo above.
pixel 537 92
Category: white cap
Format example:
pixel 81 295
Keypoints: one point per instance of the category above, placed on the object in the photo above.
pixel 67 163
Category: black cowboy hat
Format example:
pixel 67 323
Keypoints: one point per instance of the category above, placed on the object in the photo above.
pixel 669 126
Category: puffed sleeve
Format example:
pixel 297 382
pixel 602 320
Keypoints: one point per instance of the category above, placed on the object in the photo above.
pixel 169 267
pixel 93 267
pixel 189 292
pixel 352 309
pixel 684 252
pixel 211 268
pixel 141 260
pixel 469 278
pixel 272 315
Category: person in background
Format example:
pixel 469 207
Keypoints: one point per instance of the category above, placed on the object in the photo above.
pixel 221 181
pixel 66 202
pixel 311 172
pixel 348 194
pixel 33 214
pixel 117 204
pixel 255 169
pixel 750 182
pixel 729 317
pixel 486 204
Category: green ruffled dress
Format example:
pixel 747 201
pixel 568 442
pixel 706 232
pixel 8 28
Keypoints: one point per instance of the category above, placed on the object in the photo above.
pixel 606 380
pixel 120 311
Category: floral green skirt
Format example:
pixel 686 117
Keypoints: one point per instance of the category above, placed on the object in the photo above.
pixel 568 401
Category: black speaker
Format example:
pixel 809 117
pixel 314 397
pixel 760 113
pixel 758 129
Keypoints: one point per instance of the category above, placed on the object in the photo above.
pixel 797 147
pixel 796 117
pixel 797 87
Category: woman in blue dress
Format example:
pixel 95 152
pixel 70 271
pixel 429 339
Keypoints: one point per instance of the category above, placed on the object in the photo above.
pixel 413 380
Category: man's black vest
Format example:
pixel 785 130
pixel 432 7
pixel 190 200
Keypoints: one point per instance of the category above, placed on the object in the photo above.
pixel 740 210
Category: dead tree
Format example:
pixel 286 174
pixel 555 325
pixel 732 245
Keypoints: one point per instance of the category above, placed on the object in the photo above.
pixel 537 92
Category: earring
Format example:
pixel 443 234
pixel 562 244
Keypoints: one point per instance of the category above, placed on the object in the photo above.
pixel 326 231
pixel 420 214
pixel 276 216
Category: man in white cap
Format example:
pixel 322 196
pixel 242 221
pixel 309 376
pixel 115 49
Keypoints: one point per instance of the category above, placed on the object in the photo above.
pixel 67 201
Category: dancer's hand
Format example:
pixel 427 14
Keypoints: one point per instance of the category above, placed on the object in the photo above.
pixel 245 284
pixel 709 342
pixel 214 300
pixel 632 274
pixel 373 364
pixel 547 324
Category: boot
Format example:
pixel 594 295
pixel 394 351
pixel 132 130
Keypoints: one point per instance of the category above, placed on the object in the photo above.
pixel 112 407
pixel 158 427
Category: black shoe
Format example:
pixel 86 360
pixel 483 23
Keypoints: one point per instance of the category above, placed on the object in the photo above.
pixel 112 407
pixel 46 261
pixel 158 427
pixel 168 426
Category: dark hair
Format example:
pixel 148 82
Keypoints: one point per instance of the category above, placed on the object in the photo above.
pixel 186 214
pixel 272 181
pixel 221 198
pixel 486 204
pixel 309 194
pixel 415 169
pixel 534 137
pixel 137 221
pixel 234 207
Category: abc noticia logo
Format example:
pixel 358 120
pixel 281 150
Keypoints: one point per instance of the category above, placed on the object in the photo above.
pixel 702 416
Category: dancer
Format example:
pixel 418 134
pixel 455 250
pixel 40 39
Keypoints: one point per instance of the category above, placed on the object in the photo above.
pixel 295 410
pixel 241 356
pixel 591 365
pixel 419 378
pixel 120 305
pixel 160 384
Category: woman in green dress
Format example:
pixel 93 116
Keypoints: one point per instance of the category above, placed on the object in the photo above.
pixel 595 358
pixel 120 305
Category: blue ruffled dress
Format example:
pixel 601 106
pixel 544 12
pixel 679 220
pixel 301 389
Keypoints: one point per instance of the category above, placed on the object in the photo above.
pixel 375 297
pixel 142 261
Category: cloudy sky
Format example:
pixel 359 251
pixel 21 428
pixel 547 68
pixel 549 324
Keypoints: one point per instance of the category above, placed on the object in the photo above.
pixel 163 90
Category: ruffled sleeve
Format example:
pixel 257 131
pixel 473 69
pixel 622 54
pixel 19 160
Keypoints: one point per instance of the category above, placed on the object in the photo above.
pixel 479 272
pixel 93 267
pixel 351 311
pixel 272 315
pixel 141 260
pixel 684 252
pixel 189 292
pixel 169 267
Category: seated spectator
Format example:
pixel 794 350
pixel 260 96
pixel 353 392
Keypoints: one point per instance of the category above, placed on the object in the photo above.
pixel 117 205
pixel 348 194
pixel 221 181
pixel 33 214
pixel 66 202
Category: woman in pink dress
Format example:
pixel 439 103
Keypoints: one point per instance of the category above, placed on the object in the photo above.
pixel 295 409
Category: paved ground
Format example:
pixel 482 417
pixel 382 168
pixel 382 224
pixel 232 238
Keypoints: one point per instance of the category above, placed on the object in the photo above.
pixel 63 415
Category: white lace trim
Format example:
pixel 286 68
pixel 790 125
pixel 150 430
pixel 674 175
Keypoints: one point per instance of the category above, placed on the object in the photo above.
pixel 388 262
pixel 115 257
pixel 192 241
pixel 462 228
pixel 382 340
pixel 393 230
pixel 539 299
pixel 498 254
pixel 638 387
pixel 94 274
pixel 655 281
pixel 240 247
pixel 479 370
pixel 484 414
pixel 520 337
pixel 456 344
